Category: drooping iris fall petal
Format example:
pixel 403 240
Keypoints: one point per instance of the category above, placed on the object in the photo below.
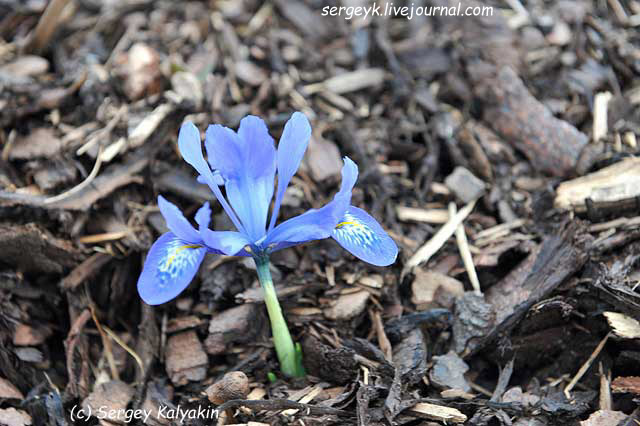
pixel 316 224
pixel 361 235
pixel 169 268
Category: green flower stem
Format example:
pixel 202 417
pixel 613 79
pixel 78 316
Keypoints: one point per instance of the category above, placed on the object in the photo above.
pixel 281 337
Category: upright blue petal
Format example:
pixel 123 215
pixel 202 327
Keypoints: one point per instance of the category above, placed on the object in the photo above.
pixel 225 242
pixel 316 224
pixel 223 147
pixel 246 161
pixel 360 234
pixel 176 222
pixel 169 268
pixel 191 150
pixel 291 149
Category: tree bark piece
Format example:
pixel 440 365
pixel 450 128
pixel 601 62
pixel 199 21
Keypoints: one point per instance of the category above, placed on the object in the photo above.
pixel 186 359
pixel 552 145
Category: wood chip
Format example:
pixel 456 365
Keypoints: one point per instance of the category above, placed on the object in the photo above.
pixel 425 252
pixel 552 145
pixel 349 81
pixel 465 252
pixel 302 311
pixel 412 214
pixel 140 70
pixel 432 289
pixel 438 412
pixel 623 326
pixel 239 324
pixel 39 143
pixel 26 66
pixel 348 306
pixel 25 335
pixel 600 126
pixel 85 270
pixel 307 398
pixel 186 360
pixel 626 385
pixel 184 323
pixel 46 253
pixel 448 372
pixel 323 158
pixel 149 124
pixel 250 73
pixel 304 18
pixel 12 417
pixel 615 183
pixel 604 417
pixel 112 395
pixel 373 281
pixel 9 391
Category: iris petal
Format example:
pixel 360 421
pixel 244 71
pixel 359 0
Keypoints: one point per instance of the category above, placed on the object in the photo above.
pixel 169 268
pixel 361 235
pixel 246 161
pixel 176 222
pixel 291 149
pixel 191 150
pixel 316 224
pixel 223 151
pixel 258 149
pixel 225 242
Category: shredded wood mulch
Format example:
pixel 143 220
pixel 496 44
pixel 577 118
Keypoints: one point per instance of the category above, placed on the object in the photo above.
pixel 498 151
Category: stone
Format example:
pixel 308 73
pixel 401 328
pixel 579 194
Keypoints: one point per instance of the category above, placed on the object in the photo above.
pixel 448 372
pixel 465 185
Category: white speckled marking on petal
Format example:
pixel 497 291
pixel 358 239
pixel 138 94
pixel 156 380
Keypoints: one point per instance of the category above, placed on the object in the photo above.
pixel 362 236
pixel 169 268
pixel 178 257
pixel 355 232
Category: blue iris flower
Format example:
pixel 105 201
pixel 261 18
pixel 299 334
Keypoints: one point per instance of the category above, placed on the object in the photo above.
pixel 245 163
